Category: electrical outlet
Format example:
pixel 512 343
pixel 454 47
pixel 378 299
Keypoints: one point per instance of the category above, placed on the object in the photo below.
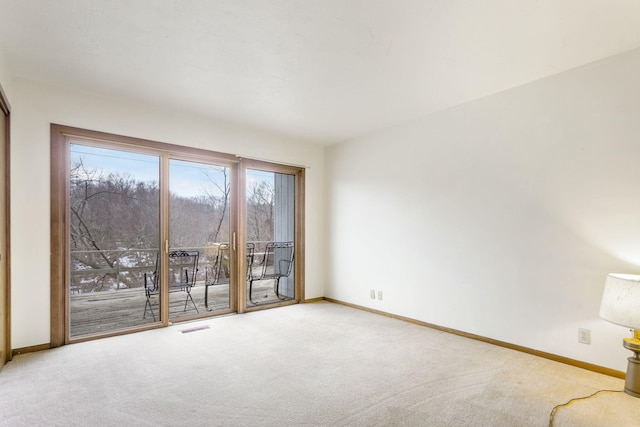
pixel 372 294
pixel 379 295
pixel 584 336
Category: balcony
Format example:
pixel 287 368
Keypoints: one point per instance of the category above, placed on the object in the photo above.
pixel 110 295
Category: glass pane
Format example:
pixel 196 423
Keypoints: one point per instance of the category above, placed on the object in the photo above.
pixel 114 239
pixel 270 237
pixel 199 225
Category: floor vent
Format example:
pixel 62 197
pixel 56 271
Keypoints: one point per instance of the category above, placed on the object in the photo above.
pixel 197 328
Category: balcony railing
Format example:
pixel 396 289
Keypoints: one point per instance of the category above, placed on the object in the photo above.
pixel 107 289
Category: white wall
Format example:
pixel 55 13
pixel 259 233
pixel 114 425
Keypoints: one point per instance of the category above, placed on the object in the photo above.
pixel 35 106
pixel 5 80
pixel 500 217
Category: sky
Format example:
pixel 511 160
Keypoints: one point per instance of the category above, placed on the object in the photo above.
pixel 187 179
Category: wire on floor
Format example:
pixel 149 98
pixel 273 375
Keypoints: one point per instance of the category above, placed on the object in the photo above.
pixel 553 411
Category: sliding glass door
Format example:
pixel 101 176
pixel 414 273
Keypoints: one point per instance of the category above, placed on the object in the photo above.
pixel 147 233
pixel 114 236
pixel 121 274
pixel 200 227
pixel 272 244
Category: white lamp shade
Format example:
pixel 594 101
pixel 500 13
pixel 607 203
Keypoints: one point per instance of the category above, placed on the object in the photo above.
pixel 621 300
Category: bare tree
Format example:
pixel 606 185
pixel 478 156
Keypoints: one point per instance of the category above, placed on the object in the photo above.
pixel 111 217
pixel 260 207
pixel 218 196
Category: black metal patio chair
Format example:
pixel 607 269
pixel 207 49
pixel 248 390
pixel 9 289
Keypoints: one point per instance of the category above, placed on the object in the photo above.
pixel 183 266
pixel 277 262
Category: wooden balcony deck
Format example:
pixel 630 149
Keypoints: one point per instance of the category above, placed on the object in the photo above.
pixel 102 312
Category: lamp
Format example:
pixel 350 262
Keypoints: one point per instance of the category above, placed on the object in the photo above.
pixel 621 305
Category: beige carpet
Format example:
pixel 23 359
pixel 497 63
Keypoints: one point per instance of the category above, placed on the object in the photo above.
pixel 319 364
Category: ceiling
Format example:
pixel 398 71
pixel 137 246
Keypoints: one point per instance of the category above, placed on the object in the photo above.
pixel 320 71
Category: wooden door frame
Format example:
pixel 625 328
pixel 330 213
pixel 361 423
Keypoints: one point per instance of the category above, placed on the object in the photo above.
pixel 5 108
pixel 60 215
